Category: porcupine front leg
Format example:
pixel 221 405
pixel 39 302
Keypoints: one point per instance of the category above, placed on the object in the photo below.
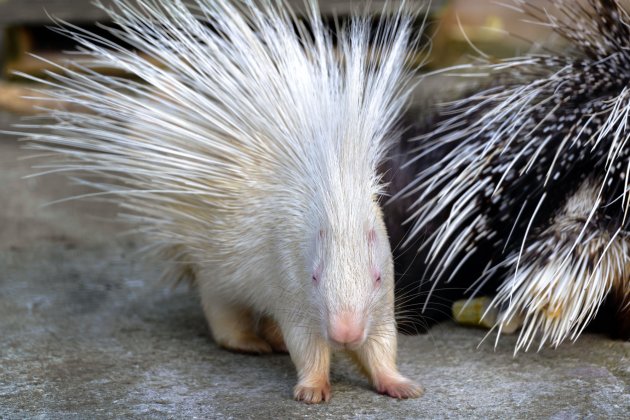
pixel 232 326
pixel 310 354
pixel 377 358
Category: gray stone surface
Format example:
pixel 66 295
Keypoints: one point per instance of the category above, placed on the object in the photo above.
pixel 88 331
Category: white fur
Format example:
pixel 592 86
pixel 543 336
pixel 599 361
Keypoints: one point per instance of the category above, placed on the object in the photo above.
pixel 252 150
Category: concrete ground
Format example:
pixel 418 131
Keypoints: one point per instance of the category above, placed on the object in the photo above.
pixel 88 331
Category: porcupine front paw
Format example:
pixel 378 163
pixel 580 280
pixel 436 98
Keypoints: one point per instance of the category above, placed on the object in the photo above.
pixel 377 358
pixel 312 393
pixel 399 387
pixel 311 355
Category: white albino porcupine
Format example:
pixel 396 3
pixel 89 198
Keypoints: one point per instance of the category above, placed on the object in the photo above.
pixel 530 185
pixel 246 148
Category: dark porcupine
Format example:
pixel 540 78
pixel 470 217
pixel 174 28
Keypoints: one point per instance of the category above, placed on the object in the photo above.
pixel 530 185
pixel 415 313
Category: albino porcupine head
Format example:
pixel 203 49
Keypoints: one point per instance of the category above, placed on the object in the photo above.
pixel 533 177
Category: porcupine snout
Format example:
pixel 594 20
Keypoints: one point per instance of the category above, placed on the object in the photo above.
pixel 347 328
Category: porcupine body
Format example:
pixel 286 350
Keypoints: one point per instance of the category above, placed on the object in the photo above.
pixel 247 150
pixel 525 183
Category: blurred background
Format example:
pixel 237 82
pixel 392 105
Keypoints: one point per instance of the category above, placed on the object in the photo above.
pixel 455 27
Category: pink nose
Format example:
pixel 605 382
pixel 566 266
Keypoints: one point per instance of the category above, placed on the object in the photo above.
pixel 346 328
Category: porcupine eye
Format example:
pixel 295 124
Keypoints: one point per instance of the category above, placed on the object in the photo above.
pixel 376 275
pixel 317 274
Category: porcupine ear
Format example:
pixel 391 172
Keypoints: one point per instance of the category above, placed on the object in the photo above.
pixel 517 155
